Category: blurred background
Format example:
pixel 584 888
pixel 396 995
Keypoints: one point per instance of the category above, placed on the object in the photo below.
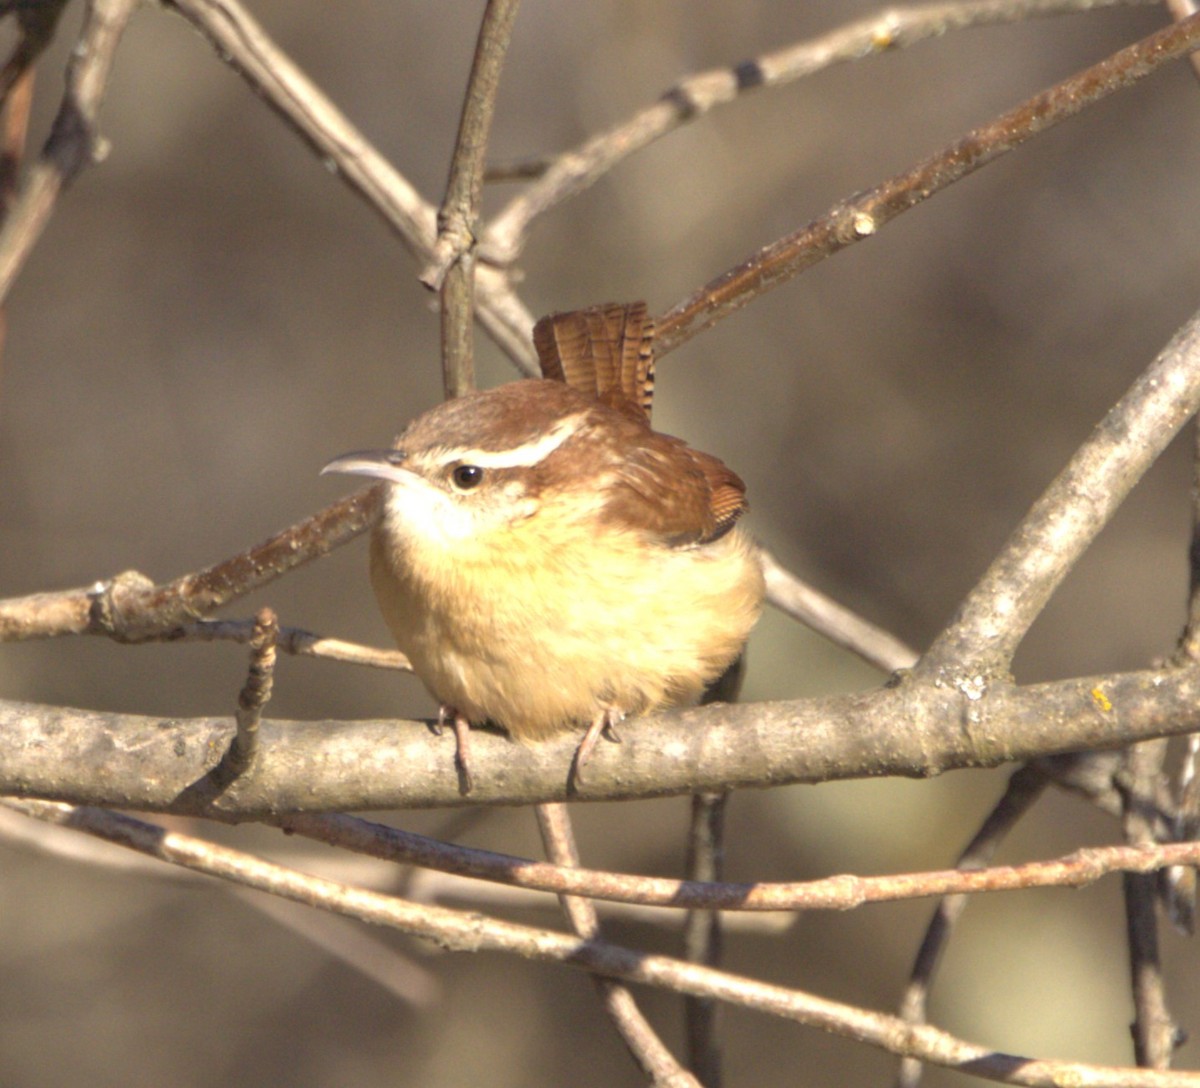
pixel 211 316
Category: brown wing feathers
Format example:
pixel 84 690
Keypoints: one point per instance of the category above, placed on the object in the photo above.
pixel 665 486
pixel 606 351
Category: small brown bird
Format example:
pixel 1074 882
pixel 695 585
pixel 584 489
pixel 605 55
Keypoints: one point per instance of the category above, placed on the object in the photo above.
pixel 545 559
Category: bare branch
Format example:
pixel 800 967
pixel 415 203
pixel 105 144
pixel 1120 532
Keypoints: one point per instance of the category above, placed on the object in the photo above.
pixel 913 729
pixel 72 143
pixel 246 46
pixel 451 271
pixel 570 173
pixel 1024 788
pixel 642 1041
pixel 861 217
pixel 131 608
pixel 459 214
pixel 460 931
pixel 843 892
pixel 837 623
pixel 1155 1035
pixel 993 619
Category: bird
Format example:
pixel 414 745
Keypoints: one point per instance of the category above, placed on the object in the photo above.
pixel 549 562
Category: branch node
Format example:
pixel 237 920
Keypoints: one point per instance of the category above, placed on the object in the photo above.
pixel 108 612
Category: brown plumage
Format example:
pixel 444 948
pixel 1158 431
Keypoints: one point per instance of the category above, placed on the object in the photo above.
pixel 546 559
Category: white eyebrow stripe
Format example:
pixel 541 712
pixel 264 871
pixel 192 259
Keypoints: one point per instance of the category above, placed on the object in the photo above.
pixel 531 453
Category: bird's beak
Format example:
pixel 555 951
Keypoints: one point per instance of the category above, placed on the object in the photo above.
pixel 385 464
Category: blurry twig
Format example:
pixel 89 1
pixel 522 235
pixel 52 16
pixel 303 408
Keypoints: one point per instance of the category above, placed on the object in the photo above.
pixel 861 217
pixel 36 23
pixel 73 142
pixel 1155 1035
pixel 14 131
pixel 702 932
pixel 451 270
pixel 647 1049
pixel 249 50
pixel 837 623
pixel 1024 788
pixel 467 931
pixel 1181 9
pixel 565 175
pixel 337 937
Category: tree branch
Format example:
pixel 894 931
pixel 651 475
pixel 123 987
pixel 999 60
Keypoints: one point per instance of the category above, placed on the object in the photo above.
pixel 243 43
pixel 131 608
pixel 566 175
pixel 73 142
pixel 461 931
pixel 913 729
pixel 993 619
pixel 861 217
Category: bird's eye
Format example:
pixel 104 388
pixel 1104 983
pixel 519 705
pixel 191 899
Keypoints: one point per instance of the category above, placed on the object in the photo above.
pixel 466 477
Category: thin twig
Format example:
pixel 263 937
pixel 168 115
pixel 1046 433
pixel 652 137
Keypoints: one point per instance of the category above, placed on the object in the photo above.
pixel 131 608
pixel 1155 1035
pixel 242 42
pixel 843 892
pixel 255 695
pixel 470 932
pixel 73 142
pixel 862 216
pixel 646 1048
pixel 993 619
pixel 451 271
pixel 459 213
pixel 796 598
pixel 702 941
pixel 570 173
pixel 292 640
pixel 1024 788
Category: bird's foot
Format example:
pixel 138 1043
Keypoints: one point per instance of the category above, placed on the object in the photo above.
pixel 604 723
pixel 462 734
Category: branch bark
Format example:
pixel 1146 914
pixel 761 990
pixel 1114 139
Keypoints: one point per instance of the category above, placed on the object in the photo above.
pixel 913 729
pixel 861 217
pixel 461 931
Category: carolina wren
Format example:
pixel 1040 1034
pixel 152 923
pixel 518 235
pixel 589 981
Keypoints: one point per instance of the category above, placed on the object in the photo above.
pixel 545 559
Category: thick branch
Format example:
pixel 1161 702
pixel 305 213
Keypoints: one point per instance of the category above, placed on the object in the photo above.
pixel 1062 524
pixel 915 729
